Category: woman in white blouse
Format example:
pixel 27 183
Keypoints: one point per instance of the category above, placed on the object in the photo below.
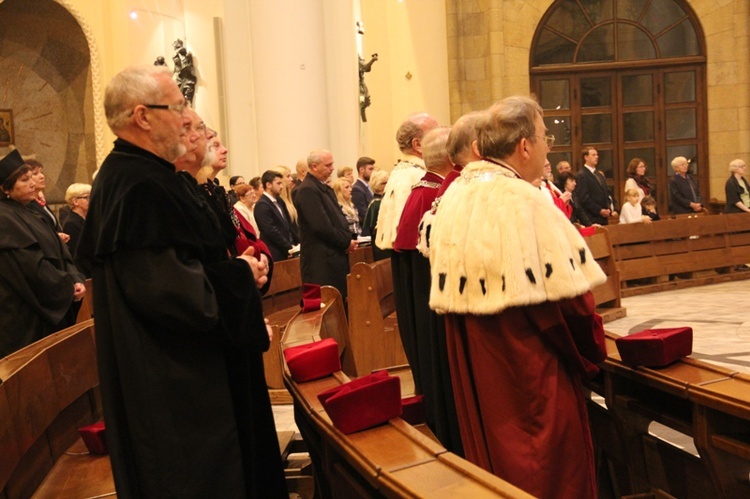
pixel 243 208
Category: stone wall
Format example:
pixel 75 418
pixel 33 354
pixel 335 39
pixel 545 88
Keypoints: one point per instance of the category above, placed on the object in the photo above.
pixel 489 43
pixel 46 81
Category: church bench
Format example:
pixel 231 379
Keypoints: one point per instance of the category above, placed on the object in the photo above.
pixel 49 390
pixel 606 295
pixel 280 303
pixel 677 253
pixel 709 407
pixel 391 460
pixel 373 330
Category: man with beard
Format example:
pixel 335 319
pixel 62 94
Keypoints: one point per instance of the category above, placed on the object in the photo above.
pixel 169 306
pixel 361 192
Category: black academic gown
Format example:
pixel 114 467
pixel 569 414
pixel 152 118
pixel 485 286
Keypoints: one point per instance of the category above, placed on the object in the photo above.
pixel 37 279
pixel 179 333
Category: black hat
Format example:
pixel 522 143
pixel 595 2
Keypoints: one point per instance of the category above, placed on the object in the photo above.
pixel 9 164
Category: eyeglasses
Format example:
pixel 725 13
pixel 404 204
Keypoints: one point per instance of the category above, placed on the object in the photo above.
pixel 550 139
pixel 178 108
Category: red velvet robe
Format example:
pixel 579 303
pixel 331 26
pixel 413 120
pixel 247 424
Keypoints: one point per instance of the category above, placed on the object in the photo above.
pixel 521 407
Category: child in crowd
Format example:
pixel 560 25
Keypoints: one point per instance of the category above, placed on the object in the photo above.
pixel 631 211
pixel 649 208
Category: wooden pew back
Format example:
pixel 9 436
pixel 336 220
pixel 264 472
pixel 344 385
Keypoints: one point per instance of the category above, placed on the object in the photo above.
pixel 681 252
pixel 391 460
pixel 703 402
pixel 49 390
pixel 373 330
pixel 607 295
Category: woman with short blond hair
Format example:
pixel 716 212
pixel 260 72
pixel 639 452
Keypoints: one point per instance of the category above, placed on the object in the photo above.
pixel 77 197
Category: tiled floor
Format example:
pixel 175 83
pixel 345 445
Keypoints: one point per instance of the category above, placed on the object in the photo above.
pixel 719 315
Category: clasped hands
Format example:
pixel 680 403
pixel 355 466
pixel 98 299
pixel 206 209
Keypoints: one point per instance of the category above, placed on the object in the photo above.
pixel 258 266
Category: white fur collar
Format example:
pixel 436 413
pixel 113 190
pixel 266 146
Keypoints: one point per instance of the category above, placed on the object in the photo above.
pixel 496 243
pixel 397 190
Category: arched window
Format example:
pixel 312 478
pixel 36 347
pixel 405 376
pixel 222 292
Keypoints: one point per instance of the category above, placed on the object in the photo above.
pixel 628 77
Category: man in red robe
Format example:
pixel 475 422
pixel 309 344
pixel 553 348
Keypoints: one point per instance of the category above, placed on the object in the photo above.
pixel 513 278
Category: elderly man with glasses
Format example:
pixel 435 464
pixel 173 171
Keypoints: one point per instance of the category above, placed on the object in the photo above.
pixel 512 278
pixel 179 324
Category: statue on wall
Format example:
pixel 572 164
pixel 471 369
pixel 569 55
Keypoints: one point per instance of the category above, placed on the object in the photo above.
pixel 184 71
pixel 364 67
pixel 364 94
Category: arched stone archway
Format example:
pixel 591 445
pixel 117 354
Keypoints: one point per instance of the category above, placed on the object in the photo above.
pixel 46 63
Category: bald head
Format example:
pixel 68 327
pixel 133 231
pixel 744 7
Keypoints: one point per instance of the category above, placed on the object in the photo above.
pixel 410 133
pixel 320 164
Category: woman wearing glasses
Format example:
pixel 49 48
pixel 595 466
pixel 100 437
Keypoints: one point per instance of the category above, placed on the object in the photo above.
pixel 39 281
pixel 77 197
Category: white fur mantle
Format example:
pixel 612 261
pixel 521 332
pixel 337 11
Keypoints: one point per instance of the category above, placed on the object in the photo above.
pixel 496 243
pixel 397 190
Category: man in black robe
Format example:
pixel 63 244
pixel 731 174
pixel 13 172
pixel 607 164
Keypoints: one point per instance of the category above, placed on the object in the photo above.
pixel 181 411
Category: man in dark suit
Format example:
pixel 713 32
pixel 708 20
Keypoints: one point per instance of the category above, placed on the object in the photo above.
pixel 591 192
pixel 325 237
pixel 684 193
pixel 272 217
pixel 361 192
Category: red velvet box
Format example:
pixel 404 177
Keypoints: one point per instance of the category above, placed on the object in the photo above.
pixel 364 402
pixel 655 347
pixel 310 297
pixel 412 409
pixel 313 360
pixel 94 436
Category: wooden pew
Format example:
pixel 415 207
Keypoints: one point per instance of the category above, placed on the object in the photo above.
pixel 391 460
pixel 373 330
pixel 683 252
pixel 607 295
pixel 707 404
pixel 49 390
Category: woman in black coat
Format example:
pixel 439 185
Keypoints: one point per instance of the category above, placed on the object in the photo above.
pixel 38 281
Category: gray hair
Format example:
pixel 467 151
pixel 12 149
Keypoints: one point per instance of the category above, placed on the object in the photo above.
pixel 132 86
pixel 314 157
pixel 505 124
pixel 434 152
pixel 678 161
pixel 463 133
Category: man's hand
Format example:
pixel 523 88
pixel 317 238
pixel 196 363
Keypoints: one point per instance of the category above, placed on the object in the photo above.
pixel 605 212
pixel 696 206
pixel 79 290
pixel 63 237
pixel 260 270
pixel 352 246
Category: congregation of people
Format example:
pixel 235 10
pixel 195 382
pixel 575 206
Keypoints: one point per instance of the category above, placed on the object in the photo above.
pixel 499 331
